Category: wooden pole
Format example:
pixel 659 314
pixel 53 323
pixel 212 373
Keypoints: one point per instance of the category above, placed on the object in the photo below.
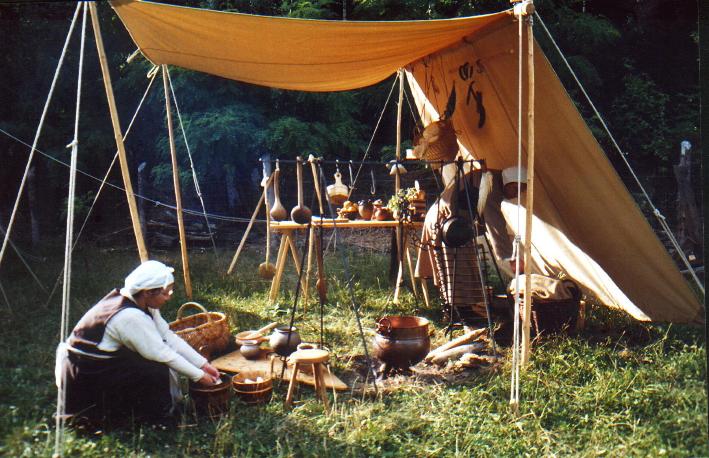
pixel 176 184
pixel 397 187
pixel 248 227
pixel 125 170
pixel 530 195
pixel 397 179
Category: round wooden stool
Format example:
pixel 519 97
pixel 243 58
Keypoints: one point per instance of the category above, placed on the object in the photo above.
pixel 301 359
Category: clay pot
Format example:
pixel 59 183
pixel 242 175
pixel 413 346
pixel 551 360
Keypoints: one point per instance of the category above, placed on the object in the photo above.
pixel 366 209
pixel 457 231
pixel 401 341
pixel 382 214
pixel 279 340
pixel 250 349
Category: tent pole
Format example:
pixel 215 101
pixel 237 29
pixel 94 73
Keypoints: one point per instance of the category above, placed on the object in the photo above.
pixel 397 187
pixel 178 194
pixel 530 195
pixel 125 170
pixel 397 178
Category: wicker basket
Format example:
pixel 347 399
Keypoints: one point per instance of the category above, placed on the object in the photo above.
pixel 206 332
pixel 437 142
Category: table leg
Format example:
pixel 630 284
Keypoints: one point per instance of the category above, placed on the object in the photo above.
pixel 400 263
pixel 280 264
pixel 411 268
pixel 306 287
pixel 424 290
pixel 296 259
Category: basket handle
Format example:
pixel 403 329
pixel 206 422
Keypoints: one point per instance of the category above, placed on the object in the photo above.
pixel 193 305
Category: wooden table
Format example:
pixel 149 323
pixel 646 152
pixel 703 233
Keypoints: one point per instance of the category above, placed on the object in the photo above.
pixel 288 228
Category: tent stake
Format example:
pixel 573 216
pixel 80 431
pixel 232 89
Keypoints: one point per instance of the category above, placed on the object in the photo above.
pixel 530 195
pixel 178 194
pixel 125 170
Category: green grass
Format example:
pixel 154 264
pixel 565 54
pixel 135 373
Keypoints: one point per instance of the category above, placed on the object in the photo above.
pixel 620 388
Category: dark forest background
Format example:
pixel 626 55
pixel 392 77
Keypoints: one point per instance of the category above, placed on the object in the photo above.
pixel 637 60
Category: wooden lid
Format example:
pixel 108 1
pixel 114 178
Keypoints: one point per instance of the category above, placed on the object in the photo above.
pixel 311 355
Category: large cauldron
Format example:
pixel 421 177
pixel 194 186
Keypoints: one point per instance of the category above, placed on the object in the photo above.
pixel 400 342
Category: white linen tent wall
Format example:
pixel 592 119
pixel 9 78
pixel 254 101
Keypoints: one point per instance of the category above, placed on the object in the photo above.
pixel 579 196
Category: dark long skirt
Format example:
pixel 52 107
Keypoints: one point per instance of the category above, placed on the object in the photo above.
pixel 116 390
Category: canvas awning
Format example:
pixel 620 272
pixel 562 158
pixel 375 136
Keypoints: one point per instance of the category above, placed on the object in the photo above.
pixel 591 224
pixel 300 54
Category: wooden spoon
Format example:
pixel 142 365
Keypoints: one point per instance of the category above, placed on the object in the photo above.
pixel 259 333
pixel 300 213
pixel 278 211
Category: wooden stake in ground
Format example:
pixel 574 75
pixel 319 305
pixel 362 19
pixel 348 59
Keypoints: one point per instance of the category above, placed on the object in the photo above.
pixel 248 227
pixel 125 171
pixel 178 193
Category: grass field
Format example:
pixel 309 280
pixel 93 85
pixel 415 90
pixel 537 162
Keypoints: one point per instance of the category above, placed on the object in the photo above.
pixel 620 388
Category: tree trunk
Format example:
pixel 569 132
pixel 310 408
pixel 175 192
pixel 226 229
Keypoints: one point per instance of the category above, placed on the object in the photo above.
pixel 688 224
pixel 232 195
pixel 32 201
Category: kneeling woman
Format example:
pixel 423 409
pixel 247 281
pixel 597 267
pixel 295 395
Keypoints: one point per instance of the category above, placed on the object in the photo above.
pixel 121 360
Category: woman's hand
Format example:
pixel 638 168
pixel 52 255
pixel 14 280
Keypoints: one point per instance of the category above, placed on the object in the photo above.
pixel 211 370
pixel 208 380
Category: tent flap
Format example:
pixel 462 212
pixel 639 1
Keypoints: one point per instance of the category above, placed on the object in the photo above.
pixel 586 223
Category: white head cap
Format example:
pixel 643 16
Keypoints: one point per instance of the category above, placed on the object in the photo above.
pixel 148 275
pixel 510 175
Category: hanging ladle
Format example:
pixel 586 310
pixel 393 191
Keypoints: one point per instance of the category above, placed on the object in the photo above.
pixel 278 211
pixel 267 270
pixel 300 213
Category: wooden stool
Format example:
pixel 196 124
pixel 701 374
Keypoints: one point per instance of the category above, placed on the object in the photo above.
pixel 317 359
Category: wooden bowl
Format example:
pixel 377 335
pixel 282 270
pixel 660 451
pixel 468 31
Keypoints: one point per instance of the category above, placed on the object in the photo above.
pixel 239 381
pixel 241 337
pixel 252 392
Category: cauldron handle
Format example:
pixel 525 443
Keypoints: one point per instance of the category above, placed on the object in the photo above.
pixel 386 331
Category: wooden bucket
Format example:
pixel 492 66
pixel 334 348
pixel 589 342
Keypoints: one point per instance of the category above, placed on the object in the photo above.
pixel 252 392
pixel 214 400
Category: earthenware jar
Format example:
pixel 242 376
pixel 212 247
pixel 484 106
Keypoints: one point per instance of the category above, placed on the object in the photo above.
pixel 279 340
pixel 250 349
pixel 366 209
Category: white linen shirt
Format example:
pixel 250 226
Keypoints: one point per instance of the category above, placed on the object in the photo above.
pixel 152 339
